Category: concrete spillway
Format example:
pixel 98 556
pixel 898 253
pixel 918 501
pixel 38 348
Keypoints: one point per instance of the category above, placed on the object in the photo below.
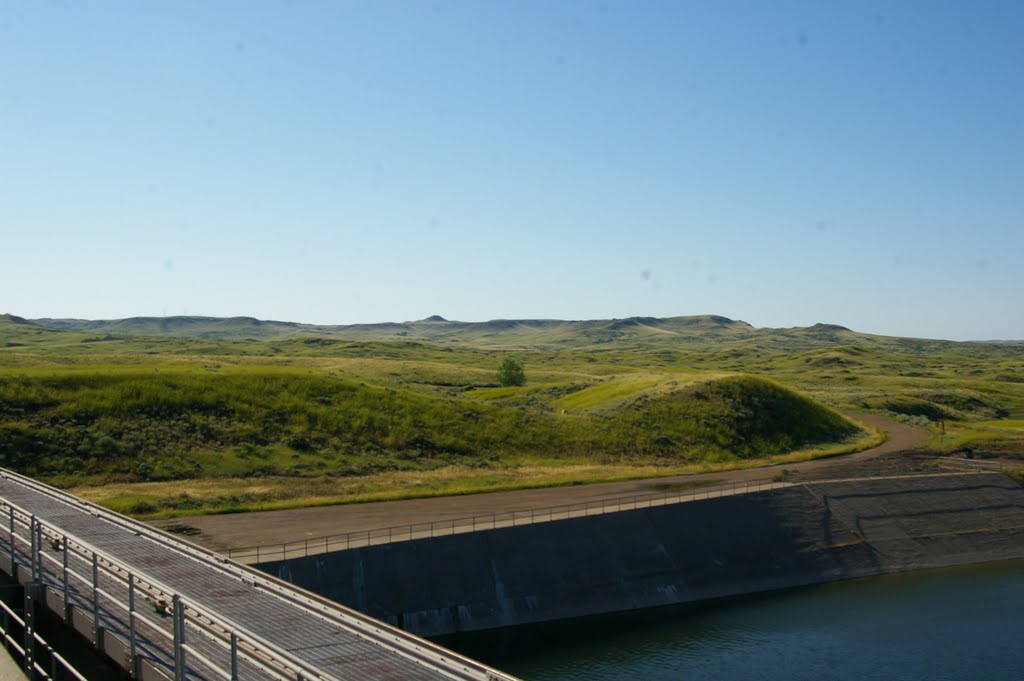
pixel 804 534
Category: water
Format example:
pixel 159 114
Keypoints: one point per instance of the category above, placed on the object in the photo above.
pixel 952 625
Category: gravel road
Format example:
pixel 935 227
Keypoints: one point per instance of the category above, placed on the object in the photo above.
pixel 220 532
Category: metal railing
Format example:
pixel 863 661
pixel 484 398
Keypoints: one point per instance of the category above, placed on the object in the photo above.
pixel 244 642
pixel 27 650
pixel 263 553
pixel 969 464
pixel 489 521
pixel 157 624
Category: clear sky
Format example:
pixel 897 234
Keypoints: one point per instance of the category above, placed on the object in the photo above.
pixel 784 163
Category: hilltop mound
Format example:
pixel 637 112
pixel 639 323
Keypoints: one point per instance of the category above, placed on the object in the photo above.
pixel 709 320
pixel 635 321
pixel 737 416
pixel 182 423
pixel 836 355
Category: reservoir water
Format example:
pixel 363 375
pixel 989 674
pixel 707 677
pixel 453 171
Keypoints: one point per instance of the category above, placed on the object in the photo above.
pixel 964 624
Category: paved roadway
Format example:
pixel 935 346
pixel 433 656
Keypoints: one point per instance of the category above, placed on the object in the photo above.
pixel 268 528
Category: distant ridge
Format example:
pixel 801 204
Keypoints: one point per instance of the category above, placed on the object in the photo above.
pixel 432 328
pixel 630 333
pixel 550 334
pixel 221 328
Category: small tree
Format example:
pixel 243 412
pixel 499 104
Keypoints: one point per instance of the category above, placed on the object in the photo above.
pixel 511 373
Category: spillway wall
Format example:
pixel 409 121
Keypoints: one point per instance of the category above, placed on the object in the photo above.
pixel 804 534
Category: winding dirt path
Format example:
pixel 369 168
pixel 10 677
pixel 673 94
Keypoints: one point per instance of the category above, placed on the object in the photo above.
pixel 220 532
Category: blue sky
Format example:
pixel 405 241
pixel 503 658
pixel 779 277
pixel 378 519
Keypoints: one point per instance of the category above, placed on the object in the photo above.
pixel 784 163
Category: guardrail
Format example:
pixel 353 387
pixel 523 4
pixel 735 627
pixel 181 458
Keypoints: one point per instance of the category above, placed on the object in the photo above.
pixel 160 627
pixel 30 645
pixel 972 464
pixel 358 625
pixel 489 521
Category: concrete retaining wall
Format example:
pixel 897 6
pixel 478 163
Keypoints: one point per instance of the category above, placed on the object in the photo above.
pixel 688 552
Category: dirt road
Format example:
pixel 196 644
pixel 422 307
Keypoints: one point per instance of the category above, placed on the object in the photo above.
pixel 220 532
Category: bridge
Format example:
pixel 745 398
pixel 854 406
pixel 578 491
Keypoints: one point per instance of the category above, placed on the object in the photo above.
pixel 165 609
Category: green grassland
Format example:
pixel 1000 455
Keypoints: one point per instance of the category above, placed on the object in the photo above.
pixel 194 415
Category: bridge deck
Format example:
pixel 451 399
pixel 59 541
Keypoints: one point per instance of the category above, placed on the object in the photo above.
pixel 336 642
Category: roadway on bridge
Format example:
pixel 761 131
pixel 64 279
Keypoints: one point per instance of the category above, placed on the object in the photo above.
pixel 327 637
pixel 268 528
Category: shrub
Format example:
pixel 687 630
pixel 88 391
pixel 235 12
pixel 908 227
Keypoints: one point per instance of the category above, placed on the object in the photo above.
pixel 510 373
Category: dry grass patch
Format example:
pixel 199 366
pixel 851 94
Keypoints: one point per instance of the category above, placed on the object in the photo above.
pixel 153 500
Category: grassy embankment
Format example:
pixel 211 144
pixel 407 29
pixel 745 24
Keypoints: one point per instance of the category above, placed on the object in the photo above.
pixel 348 440
pixel 161 426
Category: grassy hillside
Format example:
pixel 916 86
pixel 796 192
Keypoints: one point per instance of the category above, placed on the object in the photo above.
pixel 261 414
pixel 176 422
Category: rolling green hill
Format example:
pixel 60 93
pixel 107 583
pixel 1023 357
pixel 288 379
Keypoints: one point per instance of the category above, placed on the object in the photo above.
pixel 286 414
pixel 180 422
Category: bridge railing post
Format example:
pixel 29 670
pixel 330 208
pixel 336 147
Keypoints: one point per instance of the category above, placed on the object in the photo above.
pixel 33 549
pixel 179 637
pixel 29 631
pixel 14 562
pixel 234 656
pixel 64 579
pixel 132 649
pixel 96 600
pixel 39 551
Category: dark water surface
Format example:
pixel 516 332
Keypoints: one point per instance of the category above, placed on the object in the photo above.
pixel 964 624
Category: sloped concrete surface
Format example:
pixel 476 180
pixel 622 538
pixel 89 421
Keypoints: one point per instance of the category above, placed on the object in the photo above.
pixel 810 533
